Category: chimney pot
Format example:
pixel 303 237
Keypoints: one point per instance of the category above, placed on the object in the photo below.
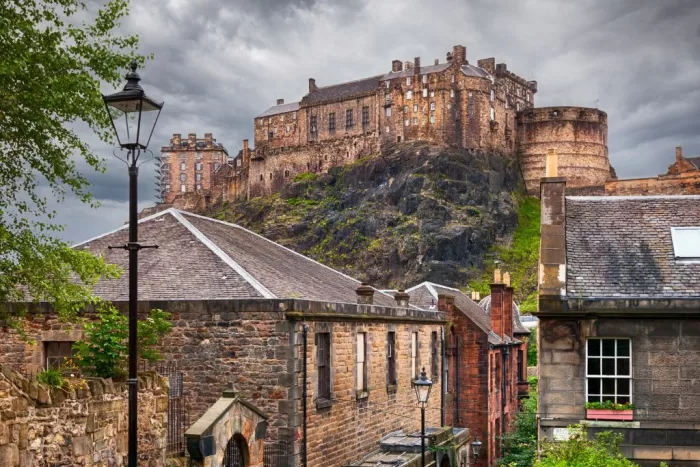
pixel 506 279
pixel 551 165
pixel 478 295
pixel 280 101
pixel 496 276
pixel 679 153
pixel 402 298
pixel 365 294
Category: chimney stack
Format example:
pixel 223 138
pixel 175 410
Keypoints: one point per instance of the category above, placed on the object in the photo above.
pixel 408 66
pixel 176 138
pixel 416 66
pixel 280 101
pixel 497 296
pixel 445 302
pixel 506 279
pixel 508 309
pixel 496 276
pixel 437 61
pixel 402 298
pixel 192 138
pixel 365 294
pixel 488 64
pixel 459 54
pixel 679 153
pixel 312 85
pixel 246 154
pixel 552 266
pixel 396 66
pixel 552 163
pixel 208 139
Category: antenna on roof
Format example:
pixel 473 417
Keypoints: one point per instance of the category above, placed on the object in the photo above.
pixel 595 103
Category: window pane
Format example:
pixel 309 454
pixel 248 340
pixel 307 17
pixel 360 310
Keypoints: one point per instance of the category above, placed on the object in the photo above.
pixel 594 386
pixel 593 366
pixel 623 387
pixel 609 366
pixel 623 367
pixel 593 398
pixel 608 398
pixel 593 347
pixel 623 399
pixel 608 385
pixel 623 348
pixel 609 347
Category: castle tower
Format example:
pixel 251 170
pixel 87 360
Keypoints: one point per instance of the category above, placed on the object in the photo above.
pixel 579 137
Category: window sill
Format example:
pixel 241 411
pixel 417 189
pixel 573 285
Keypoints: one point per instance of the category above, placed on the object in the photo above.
pixel 361 395
pixel 323 403
pixel 391 387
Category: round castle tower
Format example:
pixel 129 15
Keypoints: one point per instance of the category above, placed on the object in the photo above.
pixel 578 135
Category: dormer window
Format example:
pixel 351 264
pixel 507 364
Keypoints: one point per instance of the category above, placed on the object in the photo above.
pixel 686 243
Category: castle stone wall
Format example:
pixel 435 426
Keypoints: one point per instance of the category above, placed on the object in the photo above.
pixel 579 137
pixel 683 184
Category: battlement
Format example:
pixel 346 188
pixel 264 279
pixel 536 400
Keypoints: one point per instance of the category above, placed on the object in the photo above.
pixel 584 114
pixel 503 72
pixel 192 143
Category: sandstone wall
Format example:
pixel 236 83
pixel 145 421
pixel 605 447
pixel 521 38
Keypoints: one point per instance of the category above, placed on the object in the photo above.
pixel 687 183
pixel 82 426
pixel 579 137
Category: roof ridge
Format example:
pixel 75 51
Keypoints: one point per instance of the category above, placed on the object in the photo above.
pixel 630 198
pixel 186 213
pixel 223 256
pixel 349 82
pixel 125 226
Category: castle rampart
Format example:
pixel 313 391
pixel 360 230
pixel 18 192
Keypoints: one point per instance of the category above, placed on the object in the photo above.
pixel 578 135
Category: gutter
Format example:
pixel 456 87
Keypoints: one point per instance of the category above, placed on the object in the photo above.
pixel 303 395
pixel 443 383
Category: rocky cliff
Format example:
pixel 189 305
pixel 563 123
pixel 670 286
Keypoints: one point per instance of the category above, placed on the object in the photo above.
pixel 415 212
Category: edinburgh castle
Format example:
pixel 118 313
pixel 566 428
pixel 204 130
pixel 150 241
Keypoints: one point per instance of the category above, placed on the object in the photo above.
pixel 476 107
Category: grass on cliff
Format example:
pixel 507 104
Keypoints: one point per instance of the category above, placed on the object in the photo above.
pixel 519 258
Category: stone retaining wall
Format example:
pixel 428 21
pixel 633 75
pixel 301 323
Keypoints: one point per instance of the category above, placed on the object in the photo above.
pixel 86 425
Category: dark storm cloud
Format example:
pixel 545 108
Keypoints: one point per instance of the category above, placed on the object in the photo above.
pixel 218 63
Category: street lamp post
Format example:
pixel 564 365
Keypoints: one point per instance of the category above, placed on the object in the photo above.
pixel 422 386
pixel 130 110
pixel 476 447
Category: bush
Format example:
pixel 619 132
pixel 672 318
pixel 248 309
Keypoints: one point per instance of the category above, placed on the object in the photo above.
pixel 51 377
pixel 104 352
pixel 602 451
pixel 532 348
pixel 521 441
pixel 305 177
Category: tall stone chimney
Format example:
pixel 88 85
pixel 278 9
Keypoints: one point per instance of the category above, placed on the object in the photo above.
pixel 176 138
pixel 402 298
pixel 552 265
pixel 280 101
pixel 246 154
pixel 396 66
pixel 459 54
pixel 365 294
pixel 408 65
pixel 507 306
pixel 551 163
pixel 497 298
pixel 312 85
pixel 192 139
pixel 679 153
pixel 437 61
pixel 416 66
pixel 208 139
pixel 488 64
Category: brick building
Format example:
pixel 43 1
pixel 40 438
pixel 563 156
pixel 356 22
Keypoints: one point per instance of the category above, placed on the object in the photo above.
pixel 619 318
pixel 484 371
pixel 188 166
pixel 327 360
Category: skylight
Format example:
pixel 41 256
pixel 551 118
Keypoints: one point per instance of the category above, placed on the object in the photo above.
pixel 686 242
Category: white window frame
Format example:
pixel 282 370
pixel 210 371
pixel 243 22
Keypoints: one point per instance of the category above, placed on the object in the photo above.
pixel 425 79
pixel 183 165
pixel 493 114
pixel 615 376
pixel 407 122
pixel 493 95
pixel 415 121
pixel 183 188
pixel 432 93
pixel 693 255
pixel 409 95
pixel 432 119
pixel 414 355
pixel 425 93
pixel 432 105
pixel 388 111
pixel 452 92
pixel 361 362
pixel 409 81
pixel 415 107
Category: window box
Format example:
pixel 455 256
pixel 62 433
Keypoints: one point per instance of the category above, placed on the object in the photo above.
pixel 608 414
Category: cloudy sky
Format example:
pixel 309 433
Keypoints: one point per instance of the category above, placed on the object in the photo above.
pixel 218 63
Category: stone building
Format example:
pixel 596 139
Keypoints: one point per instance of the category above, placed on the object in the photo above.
pixel 619 318
pixel 485 370
pixel 327 360
pixel 188 166
pixel 682 178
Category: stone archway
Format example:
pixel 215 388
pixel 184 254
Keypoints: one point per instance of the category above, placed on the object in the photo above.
pixel 236 454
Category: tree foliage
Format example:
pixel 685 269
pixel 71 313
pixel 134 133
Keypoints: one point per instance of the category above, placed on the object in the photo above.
pixel 521 440
pixel 579 450
pixel 532 347
pixel 51 67
pixel 104 351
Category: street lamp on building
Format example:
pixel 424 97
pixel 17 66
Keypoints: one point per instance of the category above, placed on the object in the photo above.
pixel 134 116
pixel 476 447
pixel 422 386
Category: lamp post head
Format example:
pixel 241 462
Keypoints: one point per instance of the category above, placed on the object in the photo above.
pixel 476 447
pixel 132 113
pixel 423 386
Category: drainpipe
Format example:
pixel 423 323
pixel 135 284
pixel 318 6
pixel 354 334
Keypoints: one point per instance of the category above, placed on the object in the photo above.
pixel 303 394
pixel 456 381
pixel 443 386
pixel 503 400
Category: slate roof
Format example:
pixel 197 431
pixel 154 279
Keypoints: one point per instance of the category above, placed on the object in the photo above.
pixel 343 91
pixel 199 258
pixel 426 293
pixel 695 161
pixel 518 327
pixel 620 246
pixel 280 109
pixel 424 70
pixel 472 70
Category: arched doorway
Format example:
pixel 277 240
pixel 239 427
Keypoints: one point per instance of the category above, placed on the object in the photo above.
pixel 236 454
pixel 445 461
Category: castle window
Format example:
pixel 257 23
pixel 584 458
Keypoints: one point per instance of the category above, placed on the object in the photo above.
pixel 608 370
pixel 409 81
pixel 183 188
pixel 415 120
pixel 388 111
pixel 414 355
pixel 388 83
pixel 289 128
pixel 555 113
pixel 493 113
pixel 432 106
pixel 199 187
pixel 527 97
pixel 167 188
pixel 270 175
pixel 493 95
pixel 198 177
pixel 361 362
pixel 425 79
pixel 432 93
pixel 294 116
pixel 453 78
pixel 183 166
pixel 506 102
pixel 313 124
pixel 261 177
pixel 331 121
pixel 183 177
pixel 216 164
pixel 405 109
pixel 415 107
pixel 409 94
pixel 260 122
pixel 398 139
pixel 198 166
pixel 323 349
pixel 386 129
pixel 365 115
pixel 348 118
pixel 425 93
pixel 432 119
pixel 282 118
pixel 391 354
pixel 286 173
pixel 407 122
pixel 57 353
pixel 269 121
pixel 517 106
pixel 270 134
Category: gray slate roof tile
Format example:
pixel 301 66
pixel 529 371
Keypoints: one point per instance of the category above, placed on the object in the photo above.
pixel 343 91
pixel 621 247
pixel 280 109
